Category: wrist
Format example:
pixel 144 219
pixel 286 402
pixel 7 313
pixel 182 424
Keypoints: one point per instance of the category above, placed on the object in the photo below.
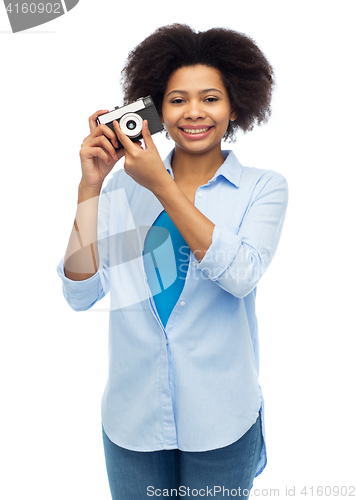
pixel 87 192
pixel 164 187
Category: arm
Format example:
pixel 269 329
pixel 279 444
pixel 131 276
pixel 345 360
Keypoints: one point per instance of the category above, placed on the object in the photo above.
pixel 98 157
pixel 81 259
pixel 81 282
pixel 83 290
pixel 235 262
pixel 194 227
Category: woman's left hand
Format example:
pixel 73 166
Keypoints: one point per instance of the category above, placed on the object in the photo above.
pixel 143 165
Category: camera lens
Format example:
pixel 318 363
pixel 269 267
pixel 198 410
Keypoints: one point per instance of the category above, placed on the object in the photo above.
pixel 131 124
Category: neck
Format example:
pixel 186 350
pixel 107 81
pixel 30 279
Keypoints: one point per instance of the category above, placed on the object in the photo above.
pixel 192 168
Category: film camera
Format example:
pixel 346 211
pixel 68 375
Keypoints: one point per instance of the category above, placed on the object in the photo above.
pixel 131 117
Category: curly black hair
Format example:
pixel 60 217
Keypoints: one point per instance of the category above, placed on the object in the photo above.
pixel 244 69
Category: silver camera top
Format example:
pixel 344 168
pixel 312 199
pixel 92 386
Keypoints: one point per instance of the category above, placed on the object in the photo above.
pixel 129 108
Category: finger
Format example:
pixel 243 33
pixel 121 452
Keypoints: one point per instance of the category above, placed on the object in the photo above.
pixel 124 139
pixel 138 144
pixel 106 131
pixel 147 135
pixel 103 131
pixel 93 124
pixel 104 143
pixel 91 152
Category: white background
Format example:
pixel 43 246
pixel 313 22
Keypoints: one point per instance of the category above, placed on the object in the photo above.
pixel 54 360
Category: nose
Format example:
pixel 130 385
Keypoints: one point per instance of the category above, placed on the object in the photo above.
pixel 194 111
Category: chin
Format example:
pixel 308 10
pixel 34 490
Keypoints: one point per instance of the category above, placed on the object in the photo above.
pixel 198 148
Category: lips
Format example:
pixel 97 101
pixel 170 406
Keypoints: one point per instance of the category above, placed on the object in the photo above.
pixel 196 132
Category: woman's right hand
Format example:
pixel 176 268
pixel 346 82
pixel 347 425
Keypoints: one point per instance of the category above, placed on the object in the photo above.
pixel 97 154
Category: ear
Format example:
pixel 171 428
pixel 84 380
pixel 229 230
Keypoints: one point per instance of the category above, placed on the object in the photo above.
pixel 233 116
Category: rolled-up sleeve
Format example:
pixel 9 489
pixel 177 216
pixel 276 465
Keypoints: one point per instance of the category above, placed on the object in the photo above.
pixel 80 295
pixel 237 260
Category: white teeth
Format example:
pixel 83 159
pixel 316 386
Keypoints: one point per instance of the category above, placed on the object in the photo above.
pixel 195 131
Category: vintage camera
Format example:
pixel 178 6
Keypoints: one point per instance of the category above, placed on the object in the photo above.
pixel 131 117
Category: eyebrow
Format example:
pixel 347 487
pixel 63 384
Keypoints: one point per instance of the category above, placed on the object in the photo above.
pixel 200 92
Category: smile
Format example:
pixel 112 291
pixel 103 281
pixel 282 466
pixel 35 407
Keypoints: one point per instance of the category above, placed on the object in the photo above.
pixel 195 130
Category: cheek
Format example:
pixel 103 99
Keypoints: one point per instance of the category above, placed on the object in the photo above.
pixel 223 116
pixel 169 119
pixel 166 116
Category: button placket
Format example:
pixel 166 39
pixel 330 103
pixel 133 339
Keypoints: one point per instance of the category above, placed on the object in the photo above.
pixel 199 193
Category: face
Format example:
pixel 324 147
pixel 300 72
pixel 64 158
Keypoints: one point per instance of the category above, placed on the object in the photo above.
pixel 196 109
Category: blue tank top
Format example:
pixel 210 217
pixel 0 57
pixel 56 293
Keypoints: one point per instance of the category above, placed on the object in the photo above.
pixel 165 300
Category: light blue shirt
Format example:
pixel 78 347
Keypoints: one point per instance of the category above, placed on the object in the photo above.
pixel 192 384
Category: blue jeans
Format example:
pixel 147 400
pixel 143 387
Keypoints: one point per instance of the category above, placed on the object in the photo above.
pixel 220 473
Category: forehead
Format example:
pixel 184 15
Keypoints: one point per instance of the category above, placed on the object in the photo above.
pixel 194 79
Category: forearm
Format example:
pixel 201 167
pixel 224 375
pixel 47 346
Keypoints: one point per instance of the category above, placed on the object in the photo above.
pixel 193 226
pixel 81 260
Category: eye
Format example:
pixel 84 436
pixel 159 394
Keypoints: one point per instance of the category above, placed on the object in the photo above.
pixel 211 99
pixel 178 100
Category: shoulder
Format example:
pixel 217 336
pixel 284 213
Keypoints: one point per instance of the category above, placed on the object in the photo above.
pixel 262 177
pixel 256 183
pixel 250 176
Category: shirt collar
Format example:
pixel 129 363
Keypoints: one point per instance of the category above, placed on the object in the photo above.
pixel 231 169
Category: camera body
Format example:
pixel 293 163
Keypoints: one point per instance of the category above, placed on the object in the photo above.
pixel 131 117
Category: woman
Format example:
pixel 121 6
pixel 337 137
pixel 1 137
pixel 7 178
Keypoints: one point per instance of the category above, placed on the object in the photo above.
pixel 181 245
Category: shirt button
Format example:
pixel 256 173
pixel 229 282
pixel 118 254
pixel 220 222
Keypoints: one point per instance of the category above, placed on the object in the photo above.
pixel 200 194
pixel 182 303
pixel 194 263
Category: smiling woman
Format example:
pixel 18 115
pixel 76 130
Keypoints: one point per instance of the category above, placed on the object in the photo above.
pixel 196 118
pixel 183 406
